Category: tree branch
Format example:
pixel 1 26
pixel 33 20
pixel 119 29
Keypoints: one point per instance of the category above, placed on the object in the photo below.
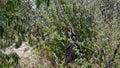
pixel 112 57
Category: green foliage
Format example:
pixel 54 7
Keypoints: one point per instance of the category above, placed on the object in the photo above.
pixel 44 27
pixel 39 2
pixel 7 61
pixel 78 18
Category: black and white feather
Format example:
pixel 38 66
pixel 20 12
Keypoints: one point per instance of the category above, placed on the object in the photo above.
pixel 73 49
pixel 72 35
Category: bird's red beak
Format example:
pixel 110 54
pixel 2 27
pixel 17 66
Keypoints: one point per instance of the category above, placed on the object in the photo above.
pixel 66 27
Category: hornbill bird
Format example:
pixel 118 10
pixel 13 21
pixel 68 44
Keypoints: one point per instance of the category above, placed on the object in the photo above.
pixel 73 49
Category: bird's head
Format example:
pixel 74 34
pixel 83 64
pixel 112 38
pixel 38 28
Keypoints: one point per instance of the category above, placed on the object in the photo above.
pixel 68 28
pixel 71 33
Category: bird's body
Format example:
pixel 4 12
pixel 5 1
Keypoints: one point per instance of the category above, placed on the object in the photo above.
pixel 72 52
pixel 73 49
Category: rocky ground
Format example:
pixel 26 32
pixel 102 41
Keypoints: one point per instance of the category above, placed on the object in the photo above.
pixel 27 58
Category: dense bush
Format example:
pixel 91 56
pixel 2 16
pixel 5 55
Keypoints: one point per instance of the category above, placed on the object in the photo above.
pixel 42 25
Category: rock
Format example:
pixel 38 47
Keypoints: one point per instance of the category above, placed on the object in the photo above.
pixel 28 59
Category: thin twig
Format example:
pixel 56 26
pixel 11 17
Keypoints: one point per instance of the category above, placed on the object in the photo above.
pixel 112 57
